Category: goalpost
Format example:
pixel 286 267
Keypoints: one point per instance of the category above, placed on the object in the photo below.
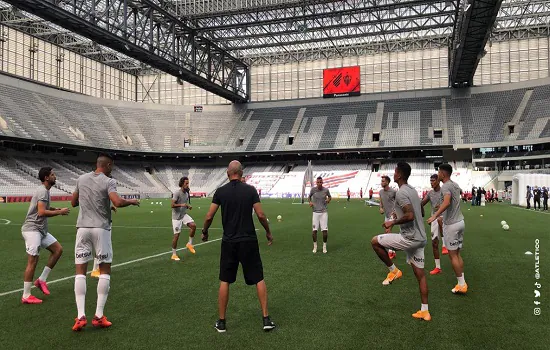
pixel 308 176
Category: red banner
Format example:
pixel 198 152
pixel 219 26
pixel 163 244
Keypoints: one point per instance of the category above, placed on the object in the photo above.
pixel 341 82
pixel 19 199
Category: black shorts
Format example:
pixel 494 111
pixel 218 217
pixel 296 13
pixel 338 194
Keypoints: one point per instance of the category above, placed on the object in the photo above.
pixel 248 254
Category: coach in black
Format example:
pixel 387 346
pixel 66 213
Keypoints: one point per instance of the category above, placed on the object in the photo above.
pixel 239 241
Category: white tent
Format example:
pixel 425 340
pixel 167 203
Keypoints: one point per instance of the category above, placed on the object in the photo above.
pixel 520 183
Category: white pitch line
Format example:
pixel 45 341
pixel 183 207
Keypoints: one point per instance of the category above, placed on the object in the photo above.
pixel 530 210
pixel 113 266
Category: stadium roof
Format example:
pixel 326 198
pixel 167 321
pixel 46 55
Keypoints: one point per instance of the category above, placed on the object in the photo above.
pixel 281 31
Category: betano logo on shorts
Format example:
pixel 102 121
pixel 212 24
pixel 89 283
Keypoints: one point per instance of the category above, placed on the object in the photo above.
pixel 418 260
pixel 102 256
pixel 83 255
pixel 455 243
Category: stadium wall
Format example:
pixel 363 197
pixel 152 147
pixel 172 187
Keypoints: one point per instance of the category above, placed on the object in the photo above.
pixel 514 61
pixel 385 96
pixel 505 62
pixel 29 57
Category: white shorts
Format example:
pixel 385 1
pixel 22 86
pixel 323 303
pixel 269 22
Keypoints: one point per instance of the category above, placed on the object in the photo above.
pixel 93 239
pixel 320 220
pixel 34 240
pixel 435 228
pixel 454 235
pixel 414 249
pixel 177 224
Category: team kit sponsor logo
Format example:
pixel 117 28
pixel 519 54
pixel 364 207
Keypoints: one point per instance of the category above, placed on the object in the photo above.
pixel 83 255
pixel 455 243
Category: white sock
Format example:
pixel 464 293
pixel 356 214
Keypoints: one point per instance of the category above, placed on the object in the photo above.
pixel 443 241
pixel 392 267
pixel 461 280
pixel 438 263
pixel 96 264
pixel 173 251
pixel 102 292
pixel 45 273
pixel 424 307
pixel 27 289
pixel 80 294
pixel 191 240
pixel 391 251
pixel 324 245
pixel 314 245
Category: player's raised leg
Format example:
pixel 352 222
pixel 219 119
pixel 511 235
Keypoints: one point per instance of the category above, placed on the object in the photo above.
pixel 381 250
pixel 444 250
pixel 56 251
pixel 32 260
pixel 176 224
pixel 192 229
pixel 435 247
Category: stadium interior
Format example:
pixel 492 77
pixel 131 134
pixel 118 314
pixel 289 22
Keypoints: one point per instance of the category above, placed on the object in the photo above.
pixel 176 88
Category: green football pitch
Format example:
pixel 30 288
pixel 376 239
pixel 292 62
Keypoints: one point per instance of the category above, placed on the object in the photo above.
pixel 318 301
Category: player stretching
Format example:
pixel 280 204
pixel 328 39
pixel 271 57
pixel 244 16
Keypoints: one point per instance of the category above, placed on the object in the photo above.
pixel 453 220
pixel 180 204
pixel 319 197
pixel 387 202
pixel 411 238
pixel 434 197
pixel 94 193
pixel 36 236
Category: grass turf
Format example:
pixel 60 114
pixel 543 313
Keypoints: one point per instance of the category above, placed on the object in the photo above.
pixel 332 301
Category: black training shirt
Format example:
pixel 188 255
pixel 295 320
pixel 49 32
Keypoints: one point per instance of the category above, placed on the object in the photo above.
pixel 237 200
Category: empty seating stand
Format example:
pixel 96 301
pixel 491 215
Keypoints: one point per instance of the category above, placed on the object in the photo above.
pixel 32 111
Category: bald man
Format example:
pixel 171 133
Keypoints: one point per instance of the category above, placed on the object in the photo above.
pixel 94 193
pixel 239 241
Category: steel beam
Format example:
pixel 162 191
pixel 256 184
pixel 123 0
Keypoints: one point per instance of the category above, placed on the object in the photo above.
pixel 147 32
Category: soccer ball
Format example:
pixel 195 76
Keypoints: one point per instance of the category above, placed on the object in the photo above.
pixel 505 227
pixel 151 212
pixel 279 217
pixel 502 223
